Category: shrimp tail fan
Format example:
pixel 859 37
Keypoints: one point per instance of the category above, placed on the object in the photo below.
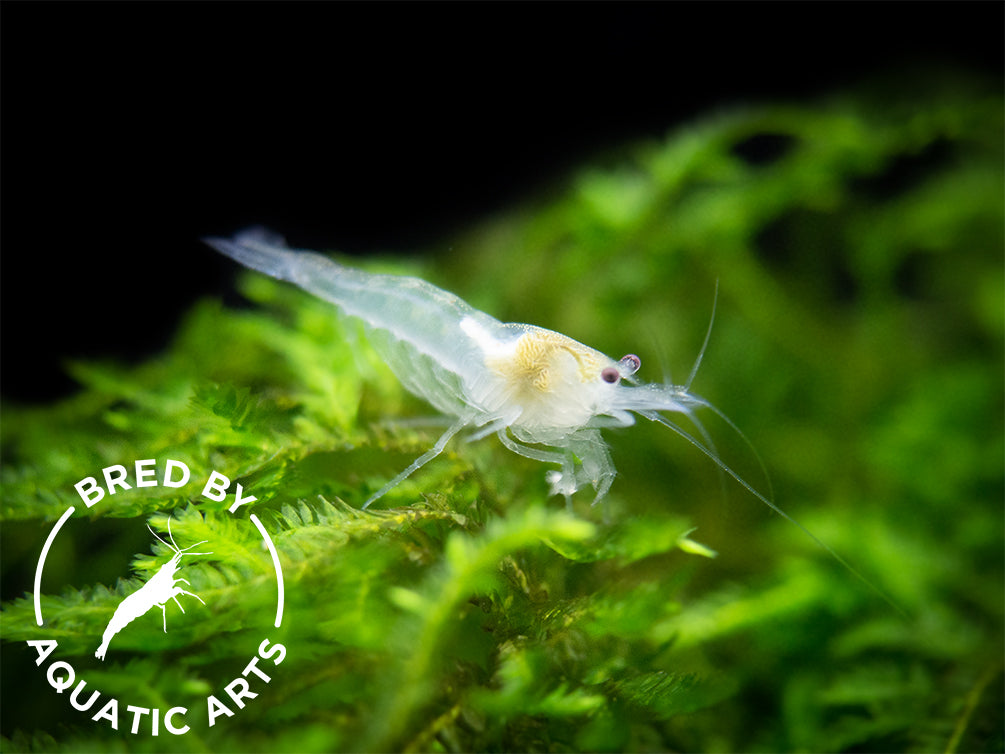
pixel 260 250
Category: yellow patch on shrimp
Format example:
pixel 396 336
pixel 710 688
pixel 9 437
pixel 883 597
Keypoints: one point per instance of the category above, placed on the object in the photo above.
pixel 536 363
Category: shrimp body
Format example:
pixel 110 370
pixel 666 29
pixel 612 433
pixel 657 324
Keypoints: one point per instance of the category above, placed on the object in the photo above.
pixel 160 588
pixel 543 394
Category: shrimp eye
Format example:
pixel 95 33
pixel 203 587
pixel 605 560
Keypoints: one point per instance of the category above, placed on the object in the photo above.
pixel 630 363
pixel 610 374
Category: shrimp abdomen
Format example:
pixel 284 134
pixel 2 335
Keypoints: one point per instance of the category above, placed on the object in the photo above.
pixel 413 325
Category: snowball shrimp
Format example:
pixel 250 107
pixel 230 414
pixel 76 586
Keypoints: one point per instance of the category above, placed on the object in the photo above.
pixel 527 385
pixel 161 587
pixel 544 395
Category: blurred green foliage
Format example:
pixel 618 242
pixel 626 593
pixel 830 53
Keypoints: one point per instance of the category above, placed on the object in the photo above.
pixel 858 245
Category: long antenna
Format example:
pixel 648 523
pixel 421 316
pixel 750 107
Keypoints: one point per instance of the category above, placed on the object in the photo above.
pixel 175 548
pixel 704 345
pixel 659 418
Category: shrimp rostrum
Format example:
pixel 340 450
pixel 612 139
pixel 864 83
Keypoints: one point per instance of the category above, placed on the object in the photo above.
pixel 543 394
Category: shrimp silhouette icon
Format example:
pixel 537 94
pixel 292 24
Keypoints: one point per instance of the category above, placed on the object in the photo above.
pixel 161 587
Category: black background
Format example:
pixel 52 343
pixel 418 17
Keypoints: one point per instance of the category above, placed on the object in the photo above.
pixel 131 130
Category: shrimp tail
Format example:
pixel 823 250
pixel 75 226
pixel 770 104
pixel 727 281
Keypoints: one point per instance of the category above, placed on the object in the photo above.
pixel 120 619
pixel 261 250
pixel 419 330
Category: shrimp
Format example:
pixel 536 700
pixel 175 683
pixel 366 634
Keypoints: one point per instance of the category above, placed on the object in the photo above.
pixel 544 395
pixel 161 587
pixel 527 385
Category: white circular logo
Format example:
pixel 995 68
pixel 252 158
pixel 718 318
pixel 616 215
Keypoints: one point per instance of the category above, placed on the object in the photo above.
pixel 166 586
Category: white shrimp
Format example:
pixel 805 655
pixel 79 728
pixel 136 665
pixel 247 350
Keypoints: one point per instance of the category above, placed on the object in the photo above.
pixel 161 587
pixel 544 395
pixel 527 385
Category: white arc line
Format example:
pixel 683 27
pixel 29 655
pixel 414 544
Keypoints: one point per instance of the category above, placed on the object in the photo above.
pixel 275 561
pixel 41 563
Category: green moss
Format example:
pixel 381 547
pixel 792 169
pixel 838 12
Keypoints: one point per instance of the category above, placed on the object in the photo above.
pixel 857 243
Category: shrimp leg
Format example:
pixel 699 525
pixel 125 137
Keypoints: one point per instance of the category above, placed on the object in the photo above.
pixel 176 591
pixel 596 466
pixel 535 454
pixel 554 478
pixel 422 460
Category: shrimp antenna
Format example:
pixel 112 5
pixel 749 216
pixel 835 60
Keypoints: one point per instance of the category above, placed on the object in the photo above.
pixel 739 433
pixel 704 345
pixel 172 535
pixel 681 432
pixel 186 549
pixel 657 347
pixel 175 548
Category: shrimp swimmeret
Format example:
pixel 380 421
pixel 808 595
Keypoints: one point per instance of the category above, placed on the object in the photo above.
pixel 527 385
